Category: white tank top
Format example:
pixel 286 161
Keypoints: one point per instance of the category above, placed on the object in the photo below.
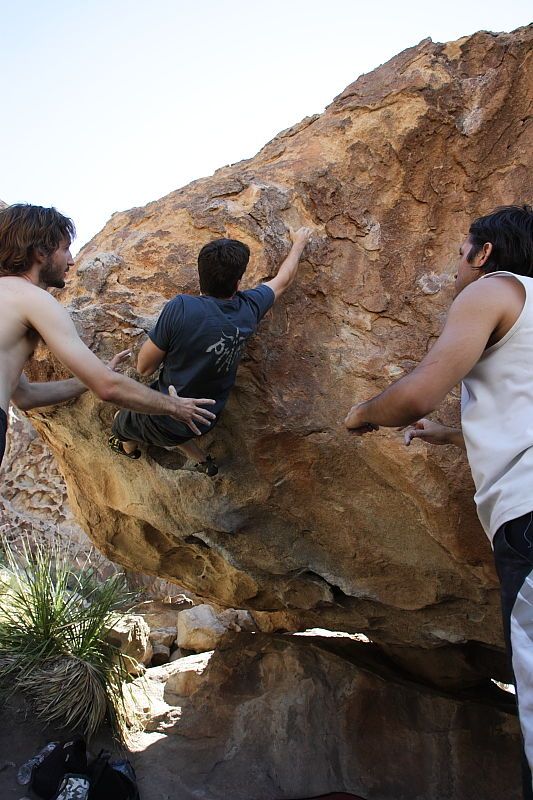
pixel 497 421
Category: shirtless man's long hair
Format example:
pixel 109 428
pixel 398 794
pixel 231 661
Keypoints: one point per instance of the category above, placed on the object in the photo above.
pixel 25 229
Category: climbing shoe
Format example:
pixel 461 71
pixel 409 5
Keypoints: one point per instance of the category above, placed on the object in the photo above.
pixel 117 445
pixel 208 467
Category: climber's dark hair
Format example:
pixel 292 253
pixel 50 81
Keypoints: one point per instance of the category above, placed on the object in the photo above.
pixel 510 231
pixel 25 229
pixel 221 265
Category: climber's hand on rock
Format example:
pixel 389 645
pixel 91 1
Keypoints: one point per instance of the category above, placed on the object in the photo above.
pixel 301 236
pixel 356 423
pixel 189 410
pixel 118 359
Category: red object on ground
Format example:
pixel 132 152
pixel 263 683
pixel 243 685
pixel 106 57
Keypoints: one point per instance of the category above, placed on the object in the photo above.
pixel 335 796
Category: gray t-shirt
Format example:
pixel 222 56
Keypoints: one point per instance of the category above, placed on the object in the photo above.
pixel 203 338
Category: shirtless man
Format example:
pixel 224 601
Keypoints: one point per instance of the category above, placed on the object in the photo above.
pixel 34 256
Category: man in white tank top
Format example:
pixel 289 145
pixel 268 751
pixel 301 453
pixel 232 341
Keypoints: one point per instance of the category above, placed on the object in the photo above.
pixel 487 344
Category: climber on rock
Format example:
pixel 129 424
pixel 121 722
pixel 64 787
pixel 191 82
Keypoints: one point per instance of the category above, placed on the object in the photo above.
pixel 487 343
pixel 198 342
pixel 35 256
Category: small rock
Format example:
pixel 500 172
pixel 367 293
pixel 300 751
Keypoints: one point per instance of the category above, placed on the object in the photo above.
pixel 131 635
pixel 178 600
pixel 161 655
pixel 176 655
pixel 199 629
pixel 235 619
pixel 164 636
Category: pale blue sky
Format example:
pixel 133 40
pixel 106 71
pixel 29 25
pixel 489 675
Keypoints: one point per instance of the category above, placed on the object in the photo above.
pixel 108 104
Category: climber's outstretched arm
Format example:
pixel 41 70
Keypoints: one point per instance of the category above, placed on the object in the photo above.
pixel 288 270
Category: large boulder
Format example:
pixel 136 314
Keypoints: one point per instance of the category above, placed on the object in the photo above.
pixel 34 505
pixel 358 535
pixel 279 717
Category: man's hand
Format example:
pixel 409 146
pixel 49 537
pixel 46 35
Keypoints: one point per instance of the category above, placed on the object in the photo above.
pixel 301 236
pixel 190 409
pixel 356 423
pixel 288 270
pixel 433 433
pixel 118 359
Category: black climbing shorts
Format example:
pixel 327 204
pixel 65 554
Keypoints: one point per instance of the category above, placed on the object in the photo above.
pixel 159 430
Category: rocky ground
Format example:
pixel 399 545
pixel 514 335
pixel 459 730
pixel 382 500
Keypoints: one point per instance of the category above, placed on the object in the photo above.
pixel 21 738
pixel 277 716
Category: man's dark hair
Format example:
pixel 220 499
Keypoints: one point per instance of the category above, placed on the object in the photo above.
pixel 24 229
pixel 510 231
pixel 221 265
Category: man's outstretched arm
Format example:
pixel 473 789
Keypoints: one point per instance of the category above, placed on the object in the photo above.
pixel 34 395
pixel 288 270
pixel 29 395
pixel 52 322
pixel 473 317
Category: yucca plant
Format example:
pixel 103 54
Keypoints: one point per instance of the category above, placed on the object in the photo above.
pixel 53 624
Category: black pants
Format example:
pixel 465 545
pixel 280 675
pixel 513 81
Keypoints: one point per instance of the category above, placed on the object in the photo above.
pixel 513 554
pixel 3 432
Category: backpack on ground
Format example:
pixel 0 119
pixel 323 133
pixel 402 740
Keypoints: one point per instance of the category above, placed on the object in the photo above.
pixel 112 779
pixel 64 774
pixel 67 757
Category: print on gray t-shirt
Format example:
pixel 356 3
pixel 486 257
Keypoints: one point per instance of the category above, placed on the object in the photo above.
pixel 227 350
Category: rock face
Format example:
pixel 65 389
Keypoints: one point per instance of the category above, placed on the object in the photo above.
pixel 34 504
pixel 276 718
pixel 33 495
pixel 358 535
